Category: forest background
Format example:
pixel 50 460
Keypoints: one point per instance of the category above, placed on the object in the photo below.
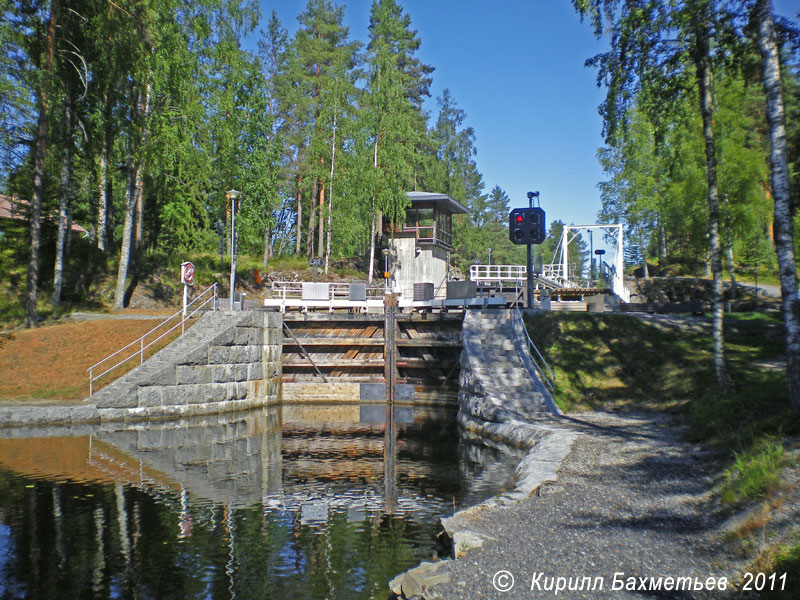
pixel 133 119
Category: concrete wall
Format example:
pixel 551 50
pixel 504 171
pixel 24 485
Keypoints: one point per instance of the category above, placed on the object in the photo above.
pixel 408 268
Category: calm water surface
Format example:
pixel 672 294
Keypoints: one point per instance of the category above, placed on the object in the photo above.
pixel 288 502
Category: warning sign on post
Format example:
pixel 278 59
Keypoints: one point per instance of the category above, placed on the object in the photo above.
pixel 187 273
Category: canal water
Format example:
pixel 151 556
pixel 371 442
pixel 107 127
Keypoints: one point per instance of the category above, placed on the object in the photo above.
pixel 298 501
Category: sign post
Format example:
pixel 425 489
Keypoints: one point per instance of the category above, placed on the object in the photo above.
pixel 315 263
pixel 187 279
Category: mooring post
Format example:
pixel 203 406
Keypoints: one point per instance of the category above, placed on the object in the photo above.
pixel 389 344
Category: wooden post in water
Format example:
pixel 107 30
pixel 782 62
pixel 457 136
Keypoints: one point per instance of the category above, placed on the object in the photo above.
pixel 390 344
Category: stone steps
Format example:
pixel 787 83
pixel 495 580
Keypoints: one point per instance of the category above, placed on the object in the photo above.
pixel 497 369
pixel 157 367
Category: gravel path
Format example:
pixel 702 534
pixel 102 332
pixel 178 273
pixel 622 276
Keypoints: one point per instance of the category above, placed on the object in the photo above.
pixel 632 497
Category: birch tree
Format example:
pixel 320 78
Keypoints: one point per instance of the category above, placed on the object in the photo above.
pixel 783 225
pixel 660 50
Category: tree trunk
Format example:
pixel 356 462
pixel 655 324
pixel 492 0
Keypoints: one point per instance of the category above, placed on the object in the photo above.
pixel 703 73
pixel 729 246
pixel 782 225
pixel 63 201
pixel 321 233
pixel 645 271
pixel 267 247
pixel 139 207
pixel 109 212
pixel 371 271
pixel 131 195
pixel 662 241
pixel 140 200
pixel 104 225
pixel 102 200
pixel 40 149
pixel 311 214
pixel 68 242
pixel 127 237
pixel 330 195
pixel 299 226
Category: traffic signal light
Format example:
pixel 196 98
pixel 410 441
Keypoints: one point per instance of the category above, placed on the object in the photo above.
pixel 526 226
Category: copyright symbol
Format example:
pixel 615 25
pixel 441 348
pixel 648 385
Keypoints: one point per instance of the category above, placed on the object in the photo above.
pixel 503 581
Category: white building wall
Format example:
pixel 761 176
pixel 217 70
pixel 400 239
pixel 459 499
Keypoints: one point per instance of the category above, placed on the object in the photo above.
pixel 409 267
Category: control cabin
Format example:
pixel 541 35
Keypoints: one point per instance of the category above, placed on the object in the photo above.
pixel 419 248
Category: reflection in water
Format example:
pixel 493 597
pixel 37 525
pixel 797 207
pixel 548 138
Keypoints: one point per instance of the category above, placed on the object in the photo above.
pixel 292 502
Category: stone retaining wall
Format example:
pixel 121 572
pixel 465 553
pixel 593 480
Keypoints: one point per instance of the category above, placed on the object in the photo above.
pixel 225 362
pixel 240 368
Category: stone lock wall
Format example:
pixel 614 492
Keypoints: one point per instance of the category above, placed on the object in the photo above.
pixel 237 367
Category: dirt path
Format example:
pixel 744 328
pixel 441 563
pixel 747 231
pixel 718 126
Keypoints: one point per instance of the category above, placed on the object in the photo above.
pixel 631 498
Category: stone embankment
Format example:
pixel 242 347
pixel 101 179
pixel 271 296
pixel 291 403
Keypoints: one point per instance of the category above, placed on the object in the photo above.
pixel 502 400
pixel 226 361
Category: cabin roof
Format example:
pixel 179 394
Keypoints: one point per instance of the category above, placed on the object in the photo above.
pixel 441 201
pixel 17 209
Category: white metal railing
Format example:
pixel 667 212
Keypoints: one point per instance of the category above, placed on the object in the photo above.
pixel 538 361
pixel 481 273
pixel 516 274
pixel 336 290
pixel 211 297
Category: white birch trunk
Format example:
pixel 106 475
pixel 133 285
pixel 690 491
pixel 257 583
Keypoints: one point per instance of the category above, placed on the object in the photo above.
pixel 783 227
pixel 330 196
pixel 102 199
pixel 703 67
pixel 63 201
pixel 371 271
pixel 131 194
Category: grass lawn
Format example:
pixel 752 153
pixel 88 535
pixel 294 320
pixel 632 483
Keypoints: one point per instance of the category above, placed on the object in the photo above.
pixel 49 362
pixel 604 361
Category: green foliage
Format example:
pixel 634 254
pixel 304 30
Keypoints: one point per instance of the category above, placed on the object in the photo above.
pixel 754 473
pixel 787 561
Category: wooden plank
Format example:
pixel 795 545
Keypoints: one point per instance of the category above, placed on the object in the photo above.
pixel 336 362
pixel 360 341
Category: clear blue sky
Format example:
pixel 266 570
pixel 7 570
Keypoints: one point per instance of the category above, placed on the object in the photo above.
pixel 516 68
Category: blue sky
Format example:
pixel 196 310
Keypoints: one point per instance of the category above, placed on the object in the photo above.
pixel 516 68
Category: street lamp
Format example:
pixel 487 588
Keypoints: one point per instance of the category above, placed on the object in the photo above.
pixel 490 257
pixel 232 196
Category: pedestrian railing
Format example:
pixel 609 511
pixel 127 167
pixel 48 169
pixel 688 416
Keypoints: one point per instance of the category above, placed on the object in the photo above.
pixel 329 290
pixel 138 347
pixel 539 363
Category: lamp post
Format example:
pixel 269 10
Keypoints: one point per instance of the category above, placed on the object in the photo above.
pixel 385 253
pixel 232 196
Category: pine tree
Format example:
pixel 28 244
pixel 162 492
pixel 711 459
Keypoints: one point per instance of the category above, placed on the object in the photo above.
pixel 396 83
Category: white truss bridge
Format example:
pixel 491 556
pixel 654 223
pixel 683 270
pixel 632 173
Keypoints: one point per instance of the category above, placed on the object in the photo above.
pixel 560 274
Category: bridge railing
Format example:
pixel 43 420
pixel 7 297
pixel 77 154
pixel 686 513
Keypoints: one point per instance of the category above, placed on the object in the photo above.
pixel 138 346
pixel 335 290
pixel 516 274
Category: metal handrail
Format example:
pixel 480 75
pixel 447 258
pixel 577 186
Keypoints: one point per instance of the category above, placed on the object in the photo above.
pixel 337 290
pixel 548 378
pixel 140 340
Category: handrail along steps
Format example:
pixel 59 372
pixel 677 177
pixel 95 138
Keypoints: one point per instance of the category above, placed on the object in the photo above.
pixel 141 340
pixel 539 363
